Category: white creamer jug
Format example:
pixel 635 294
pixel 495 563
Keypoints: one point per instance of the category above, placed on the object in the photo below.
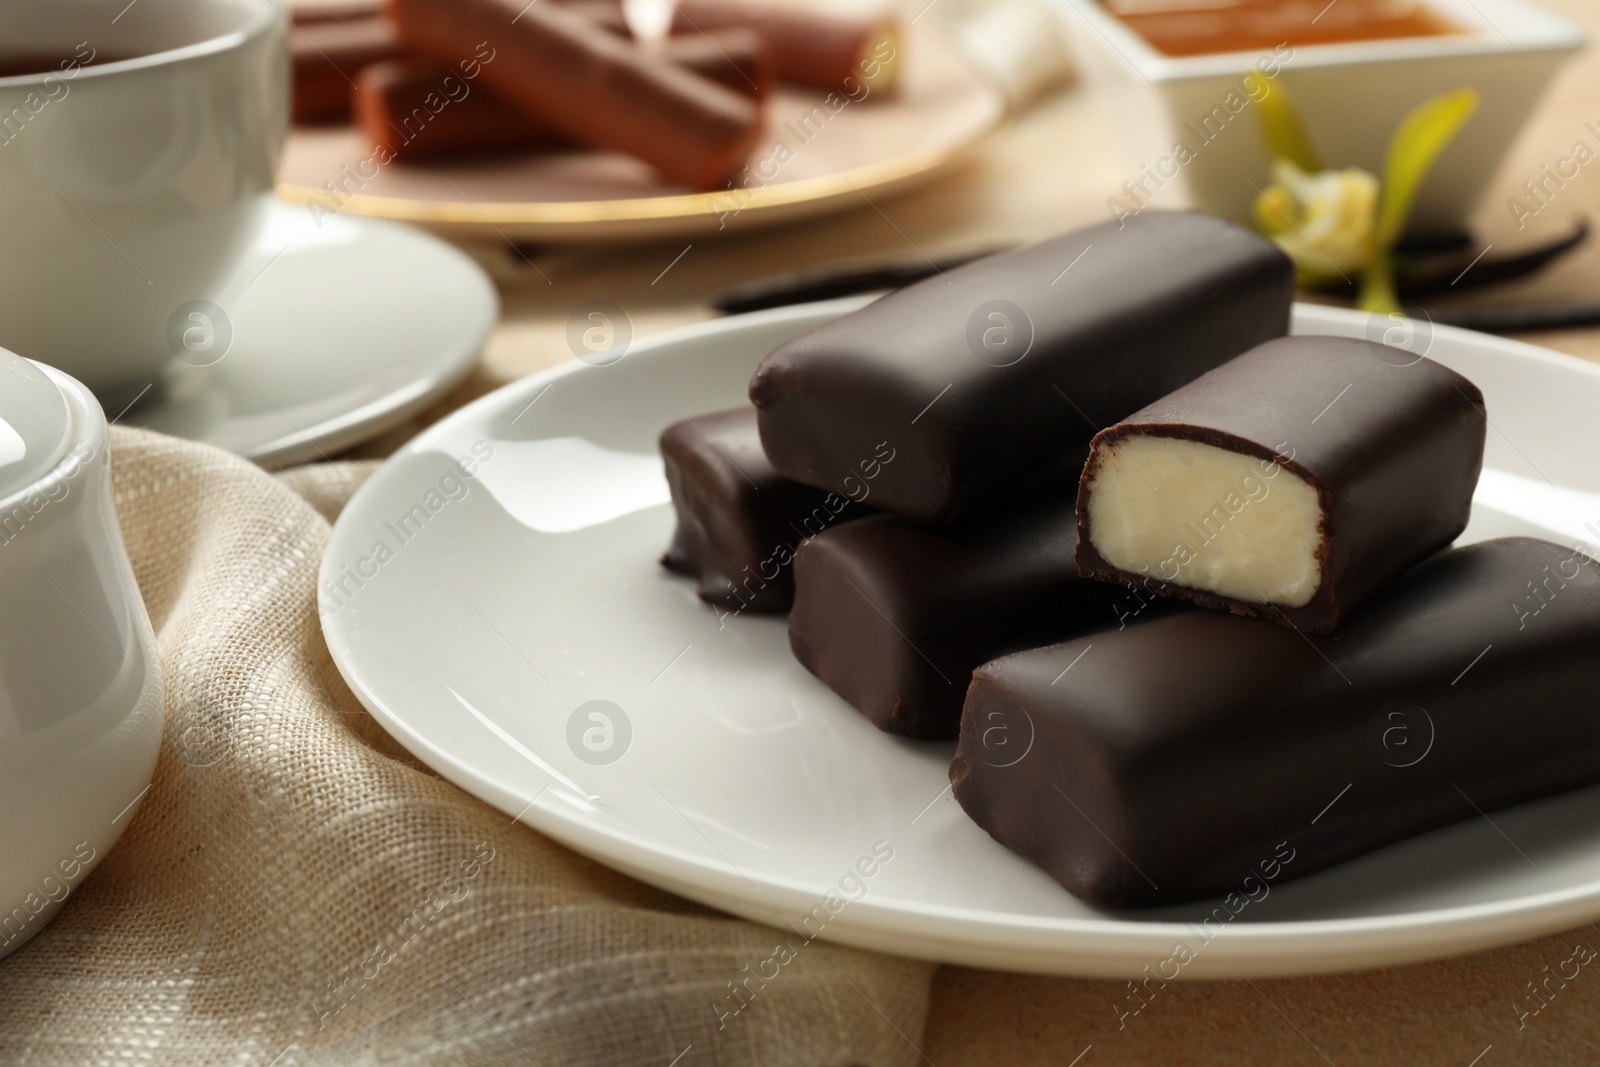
pixel 80 685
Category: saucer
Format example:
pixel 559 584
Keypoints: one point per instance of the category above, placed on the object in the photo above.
pixel 333 330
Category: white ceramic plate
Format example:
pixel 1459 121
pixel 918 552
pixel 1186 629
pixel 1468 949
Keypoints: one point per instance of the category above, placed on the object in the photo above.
pixel 339 331
pixel 477 618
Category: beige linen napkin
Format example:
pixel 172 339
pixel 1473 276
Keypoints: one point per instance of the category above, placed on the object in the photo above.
pixel 295 889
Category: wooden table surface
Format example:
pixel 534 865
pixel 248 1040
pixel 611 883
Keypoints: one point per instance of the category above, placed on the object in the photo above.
pixel 1052 169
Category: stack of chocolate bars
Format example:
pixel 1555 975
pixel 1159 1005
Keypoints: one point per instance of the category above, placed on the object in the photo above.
pixel 1179 585
pixel 433 79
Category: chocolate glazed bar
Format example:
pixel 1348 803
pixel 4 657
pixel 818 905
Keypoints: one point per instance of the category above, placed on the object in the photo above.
pixel 988 379
pixel 591 85
pixel 420 109
pixel 1175 757
pixel 739 521
pixel 1290 483
pixel 894 617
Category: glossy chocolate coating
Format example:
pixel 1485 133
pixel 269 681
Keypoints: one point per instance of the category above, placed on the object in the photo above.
pixel 894 617
pixel 1119 316
pixel 739 521
pixel 1178 756
pixel 1392 443
pixel 589 84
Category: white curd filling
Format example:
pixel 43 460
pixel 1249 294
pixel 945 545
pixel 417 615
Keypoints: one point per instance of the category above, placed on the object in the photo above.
pixel 1206 518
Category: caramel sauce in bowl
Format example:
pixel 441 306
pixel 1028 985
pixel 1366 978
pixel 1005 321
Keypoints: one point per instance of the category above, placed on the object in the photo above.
pixel 1208 27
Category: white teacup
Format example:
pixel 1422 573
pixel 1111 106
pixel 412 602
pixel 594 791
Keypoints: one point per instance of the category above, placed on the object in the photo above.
pixel 136 162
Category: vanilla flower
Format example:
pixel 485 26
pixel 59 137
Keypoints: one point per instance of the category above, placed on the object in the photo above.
pixel 1326 221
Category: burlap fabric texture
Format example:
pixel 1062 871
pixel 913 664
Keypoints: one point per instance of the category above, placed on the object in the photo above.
pixel 295 889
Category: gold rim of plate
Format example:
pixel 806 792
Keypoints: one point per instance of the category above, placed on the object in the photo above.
pixel 650 208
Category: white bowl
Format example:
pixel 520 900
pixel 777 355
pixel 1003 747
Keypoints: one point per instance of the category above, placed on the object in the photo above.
pixel 80 685
pixel 1351 95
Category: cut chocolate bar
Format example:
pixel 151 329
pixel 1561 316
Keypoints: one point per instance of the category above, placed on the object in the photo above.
pixel 988 379
pixel 1175 758
pixel 895 617
pixel 739 521
pixel 1290 483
